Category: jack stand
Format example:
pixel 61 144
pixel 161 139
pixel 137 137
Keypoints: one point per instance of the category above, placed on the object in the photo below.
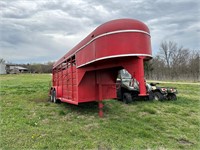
pixel 100 109
pixel 100 102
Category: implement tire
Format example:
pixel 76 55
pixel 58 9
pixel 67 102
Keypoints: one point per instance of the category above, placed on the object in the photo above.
pixel 151 96
pixel 171 96
pixel 158 96
pixel 127 98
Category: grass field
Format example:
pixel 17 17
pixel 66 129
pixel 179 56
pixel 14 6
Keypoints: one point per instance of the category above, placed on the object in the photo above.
pixel 30 121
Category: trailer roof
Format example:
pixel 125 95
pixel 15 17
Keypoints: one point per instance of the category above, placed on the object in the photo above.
pixel 113 25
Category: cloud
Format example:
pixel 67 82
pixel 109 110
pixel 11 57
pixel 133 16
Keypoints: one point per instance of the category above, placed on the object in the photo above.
pixel 42 30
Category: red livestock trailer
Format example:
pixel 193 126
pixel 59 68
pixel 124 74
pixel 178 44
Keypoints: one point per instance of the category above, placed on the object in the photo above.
pixel 89 71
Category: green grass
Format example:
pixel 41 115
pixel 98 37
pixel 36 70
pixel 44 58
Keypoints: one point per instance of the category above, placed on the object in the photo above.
pixel 30 121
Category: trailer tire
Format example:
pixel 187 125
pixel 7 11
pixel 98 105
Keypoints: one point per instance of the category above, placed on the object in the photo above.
pixel 127 98
pixel 158 96
pixel 53 96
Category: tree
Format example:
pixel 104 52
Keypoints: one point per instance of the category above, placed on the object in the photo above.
pixel 2 61
pixel 174 62
pixel 148 69
pixel 194 65
pixel 40 68
pixel 166 51
pixel 175 58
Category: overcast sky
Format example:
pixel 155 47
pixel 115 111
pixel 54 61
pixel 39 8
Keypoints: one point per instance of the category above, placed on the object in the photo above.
pixel 44 30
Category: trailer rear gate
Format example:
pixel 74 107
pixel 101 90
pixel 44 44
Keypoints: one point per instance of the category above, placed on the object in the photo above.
pixel 65 79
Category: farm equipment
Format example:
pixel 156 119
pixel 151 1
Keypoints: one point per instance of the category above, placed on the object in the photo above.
pixel 163 93
pixel 89 71
pixel 128 89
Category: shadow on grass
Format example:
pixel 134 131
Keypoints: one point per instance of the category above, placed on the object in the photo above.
pixel 112 106
pixel 88 108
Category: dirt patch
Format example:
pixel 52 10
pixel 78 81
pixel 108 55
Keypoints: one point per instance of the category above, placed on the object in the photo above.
pixel 45 121
pixel 91 126
pixel 143 114
pixel 184 141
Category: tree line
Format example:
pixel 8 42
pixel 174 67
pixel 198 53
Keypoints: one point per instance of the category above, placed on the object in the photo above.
pixel 39 68
pixel 173 62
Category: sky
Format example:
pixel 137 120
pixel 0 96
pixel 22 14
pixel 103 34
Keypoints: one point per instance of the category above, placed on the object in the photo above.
pixel 39 31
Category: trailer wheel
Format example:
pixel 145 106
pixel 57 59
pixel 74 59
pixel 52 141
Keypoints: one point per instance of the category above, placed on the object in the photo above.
pixel 53 96
pixel 171 96
pixel 127 98
pixel 158 96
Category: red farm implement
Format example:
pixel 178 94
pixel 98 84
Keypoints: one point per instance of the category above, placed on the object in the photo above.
pixel 89 71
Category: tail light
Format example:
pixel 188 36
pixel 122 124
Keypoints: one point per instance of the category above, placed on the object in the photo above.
pixel 173 90
pixel 164 89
